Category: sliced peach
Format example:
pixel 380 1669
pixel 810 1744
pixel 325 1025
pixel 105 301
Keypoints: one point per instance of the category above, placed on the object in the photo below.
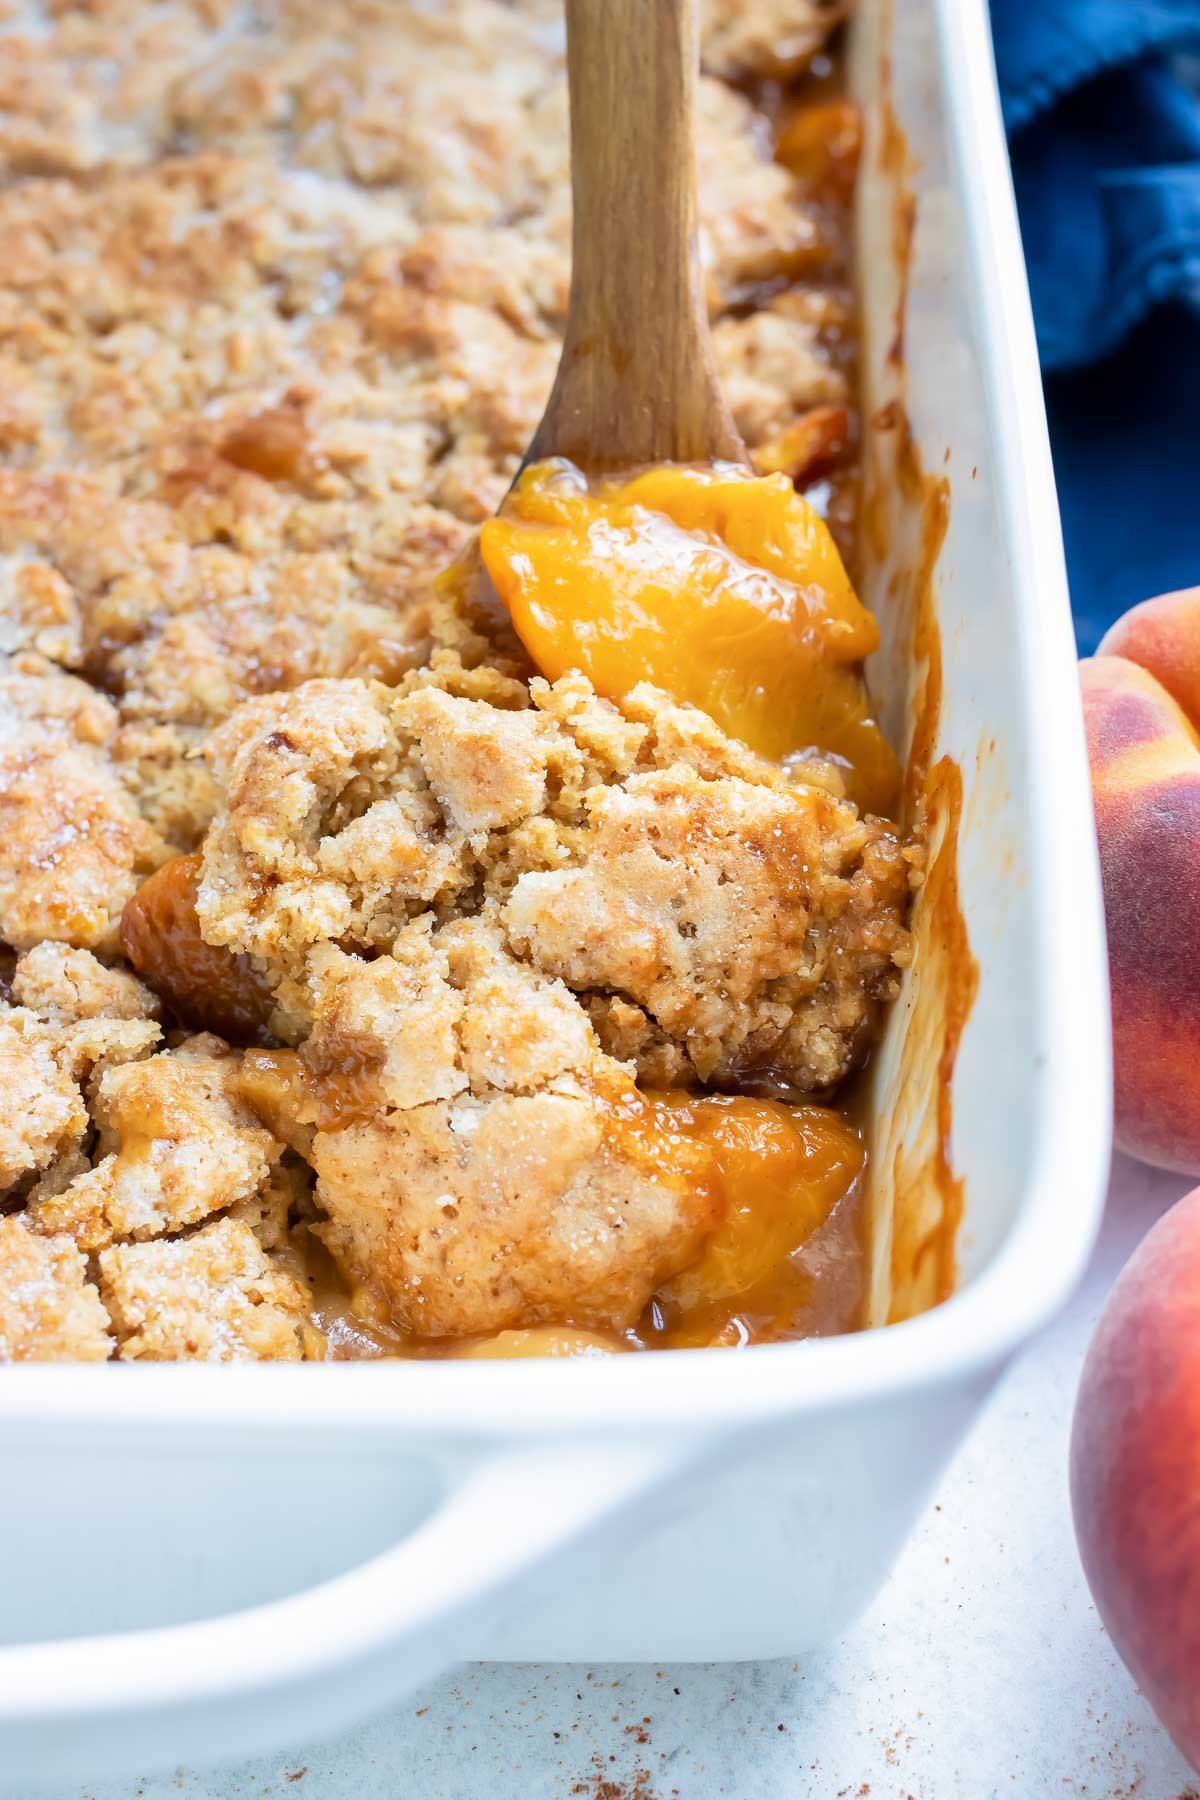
pixel 821 146
pixel 206 986
pixel 782 1169
pixel 724 589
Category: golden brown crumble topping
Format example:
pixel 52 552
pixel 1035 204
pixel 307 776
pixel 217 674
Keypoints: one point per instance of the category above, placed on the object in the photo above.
pixel 284 310
pixel 74 1019
pixel 67 987
pixel 176 1143
pixel 212 1297
pixel 774 37
pixel 281 304
pixel 44 1116
pixel 454 1103
pixel 755 919
pixel 49 1310
pixel 73 846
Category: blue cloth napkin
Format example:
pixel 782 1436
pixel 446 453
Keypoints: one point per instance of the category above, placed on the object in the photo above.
pixel 1104 129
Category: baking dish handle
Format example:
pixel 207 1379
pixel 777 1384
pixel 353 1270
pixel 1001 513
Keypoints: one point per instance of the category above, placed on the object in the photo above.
pixel 313 1662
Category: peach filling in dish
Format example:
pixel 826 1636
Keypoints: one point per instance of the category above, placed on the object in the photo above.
pixel 429 926
pixel 553 968
pixel 549 973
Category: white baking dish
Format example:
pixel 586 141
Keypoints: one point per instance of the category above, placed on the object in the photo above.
pixel 203 1562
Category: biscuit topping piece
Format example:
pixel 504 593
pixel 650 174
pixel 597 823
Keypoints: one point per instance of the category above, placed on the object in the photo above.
pixel 75 1019
pixel 49 1311
pixel 752 918
pixel 177 1144
pixel 43 1114
pixel 213 1296
pixel 477 1153
pixel 73 846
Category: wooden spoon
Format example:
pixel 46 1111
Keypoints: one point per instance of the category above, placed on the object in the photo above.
pixel 636 382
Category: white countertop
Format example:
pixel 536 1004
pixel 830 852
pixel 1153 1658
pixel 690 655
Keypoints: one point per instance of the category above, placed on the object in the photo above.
pixel 981 1671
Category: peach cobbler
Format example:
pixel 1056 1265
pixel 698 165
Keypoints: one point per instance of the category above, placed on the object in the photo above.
pixel 427 932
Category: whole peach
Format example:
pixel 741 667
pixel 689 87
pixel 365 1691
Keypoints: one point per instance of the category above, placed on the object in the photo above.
pixel 1145 760
pixel 1163 636
pixel 1135 1470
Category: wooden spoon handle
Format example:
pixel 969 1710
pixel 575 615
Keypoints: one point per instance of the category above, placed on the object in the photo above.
pixel 636 383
